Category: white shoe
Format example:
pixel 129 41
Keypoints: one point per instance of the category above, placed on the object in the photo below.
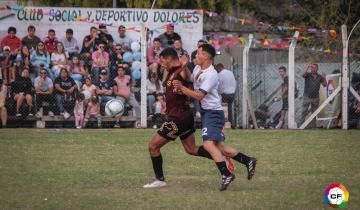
pixel 51 114
pixel 155 184
pixel 154 126
pixel 66 115
pixel 78 127
pixel 18 115
pixel 198 115
pixel 279 125
pixel 39 114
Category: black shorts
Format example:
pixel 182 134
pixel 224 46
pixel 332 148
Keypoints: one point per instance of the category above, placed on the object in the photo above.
pixel 171 129
pixel 285 104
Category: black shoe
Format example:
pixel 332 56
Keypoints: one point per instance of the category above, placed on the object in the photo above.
pixel 251 167
pixel 225 181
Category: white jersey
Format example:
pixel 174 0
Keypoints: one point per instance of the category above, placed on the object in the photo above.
pixel 208 83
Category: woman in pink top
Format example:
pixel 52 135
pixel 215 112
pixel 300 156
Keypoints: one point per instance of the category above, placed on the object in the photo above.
pixel 76 70
pixel 100 61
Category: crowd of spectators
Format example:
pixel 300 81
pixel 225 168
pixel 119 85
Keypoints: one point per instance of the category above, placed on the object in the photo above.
pixel 54 75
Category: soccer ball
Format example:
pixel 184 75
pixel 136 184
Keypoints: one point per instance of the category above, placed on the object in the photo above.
pixel 114 108
pixel 336 196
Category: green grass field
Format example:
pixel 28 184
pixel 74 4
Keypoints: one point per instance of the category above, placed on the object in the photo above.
pixel 105 169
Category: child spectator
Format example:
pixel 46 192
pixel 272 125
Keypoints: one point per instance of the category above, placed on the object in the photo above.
pixel 31 40
pixel 43 89
pixel 65 88
pixel 40 58
pixel 58 60
pixel 6 65
pixel 3 111
pixel 22 88
pixel 12 41
pixel 50 41
pixel 89 86
pixel 70 43
pixel 76 70
pixel 100 61
pixel 79 110
pixel 159 109
pixel 93 110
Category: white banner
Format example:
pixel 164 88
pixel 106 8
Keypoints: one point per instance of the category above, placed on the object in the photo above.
pixel 188 23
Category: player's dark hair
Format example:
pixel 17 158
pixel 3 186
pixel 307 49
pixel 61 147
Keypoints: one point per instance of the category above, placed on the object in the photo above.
pixel 51 30
pixel 169 52
pixel 12 29
pixel 209 49
pixel 282 68
pixel 219 66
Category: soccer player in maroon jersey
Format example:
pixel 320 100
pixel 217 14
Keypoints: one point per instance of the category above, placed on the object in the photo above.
pixel 180 120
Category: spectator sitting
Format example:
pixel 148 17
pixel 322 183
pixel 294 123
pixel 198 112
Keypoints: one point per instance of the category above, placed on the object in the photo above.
pixel 64 93
pixel 22 87
pixel 105 38
pixel 116 59
pixel 104 88
pixel 93 110
pixel 79 110
pixel 31 40
pixel 167 38
pixel 100 61
pixel 40 58
pixel 153 55
pixel 153 87
pixel 50 41
pixel 89 46
pixel 5 66
pixel 12 41
pixel 192 64
pixel 89 86
pixel 22 60
pixel 43 90
pixel 3 111
pixel 76 70
pixel 122 91
pixel 123 40
pixel 70 43
pixel 311 90
pixel 159 110
pixel 178 48
pixel 58 60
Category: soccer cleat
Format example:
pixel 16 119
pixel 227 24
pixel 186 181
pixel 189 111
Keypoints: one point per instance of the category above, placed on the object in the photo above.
pixel 230 164
pixel 251 167
pixel 226 180
pixel 155 184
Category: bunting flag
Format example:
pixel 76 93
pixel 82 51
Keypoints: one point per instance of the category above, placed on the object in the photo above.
pixel 242 21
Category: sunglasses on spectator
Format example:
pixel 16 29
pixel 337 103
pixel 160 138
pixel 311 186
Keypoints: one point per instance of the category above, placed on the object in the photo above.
pixel 118 48
pixel 43 72
pixel 40 45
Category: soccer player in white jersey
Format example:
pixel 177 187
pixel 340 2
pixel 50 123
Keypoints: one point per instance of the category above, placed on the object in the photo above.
pixel 206 81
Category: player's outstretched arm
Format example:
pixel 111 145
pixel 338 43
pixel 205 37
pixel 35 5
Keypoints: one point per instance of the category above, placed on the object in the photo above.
pixel 197 95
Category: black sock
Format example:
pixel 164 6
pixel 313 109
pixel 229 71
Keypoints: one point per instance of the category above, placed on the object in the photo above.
pixel 240 157
pixel 223 168
pixel 157 166
pixel 203 152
